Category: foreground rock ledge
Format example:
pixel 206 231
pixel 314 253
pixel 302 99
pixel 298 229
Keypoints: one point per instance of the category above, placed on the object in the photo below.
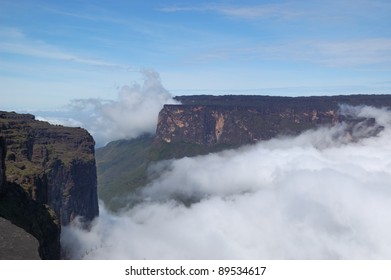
pixel 50 177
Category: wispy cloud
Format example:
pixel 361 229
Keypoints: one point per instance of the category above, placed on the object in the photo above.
pixel 353 52
pixel 46 51
pixel 264 11
pixel 335 53
pixel 330 53
pixel 138 25
pixel 314 10
pixel 14 41
pixel 85 16
pixel 11 32
pixel 282 11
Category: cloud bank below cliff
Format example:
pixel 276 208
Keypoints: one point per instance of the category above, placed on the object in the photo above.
pixel 319 195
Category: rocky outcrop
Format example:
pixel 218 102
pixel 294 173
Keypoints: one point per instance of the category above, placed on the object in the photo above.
pixel 16 243
pixel 203 124
pixel 51 175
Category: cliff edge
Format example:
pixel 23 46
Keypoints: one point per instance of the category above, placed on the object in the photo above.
pixel 50 178
pixel 203 124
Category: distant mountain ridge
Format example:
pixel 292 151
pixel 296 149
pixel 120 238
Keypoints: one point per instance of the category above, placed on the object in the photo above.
pixel 203 124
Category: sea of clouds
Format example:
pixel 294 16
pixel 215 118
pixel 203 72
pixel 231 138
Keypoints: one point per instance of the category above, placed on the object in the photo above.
pixel 325 194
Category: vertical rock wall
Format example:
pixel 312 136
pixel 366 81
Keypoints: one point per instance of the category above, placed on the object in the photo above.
pixel 55 165
pixel 203 124
pixel 50 178
pixel 2 166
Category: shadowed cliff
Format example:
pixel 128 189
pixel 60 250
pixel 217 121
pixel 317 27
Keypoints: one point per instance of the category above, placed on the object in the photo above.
pixel 2 166
pixel 50 178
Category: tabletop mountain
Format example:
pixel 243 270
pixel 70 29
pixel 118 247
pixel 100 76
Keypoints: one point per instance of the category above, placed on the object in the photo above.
pixel 203 124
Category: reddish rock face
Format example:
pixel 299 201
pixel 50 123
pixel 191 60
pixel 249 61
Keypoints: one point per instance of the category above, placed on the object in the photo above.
pixel 207 123
pixel 212 125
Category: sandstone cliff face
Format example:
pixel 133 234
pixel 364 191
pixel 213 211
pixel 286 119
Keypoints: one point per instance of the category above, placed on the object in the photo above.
pixel 233 125
pixel 54 164
pixel 207 123
pixel 51 176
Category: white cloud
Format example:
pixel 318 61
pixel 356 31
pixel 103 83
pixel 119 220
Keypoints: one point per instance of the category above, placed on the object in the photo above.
pixel 319 195
pixel 134 113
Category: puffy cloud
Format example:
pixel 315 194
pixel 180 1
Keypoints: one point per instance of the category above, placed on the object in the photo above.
pixel 134 113
pixel 324 194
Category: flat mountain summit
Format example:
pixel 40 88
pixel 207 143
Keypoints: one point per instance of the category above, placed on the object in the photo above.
pixel 202 124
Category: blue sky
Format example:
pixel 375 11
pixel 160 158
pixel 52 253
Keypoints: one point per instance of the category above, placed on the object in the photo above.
pixel 54 51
